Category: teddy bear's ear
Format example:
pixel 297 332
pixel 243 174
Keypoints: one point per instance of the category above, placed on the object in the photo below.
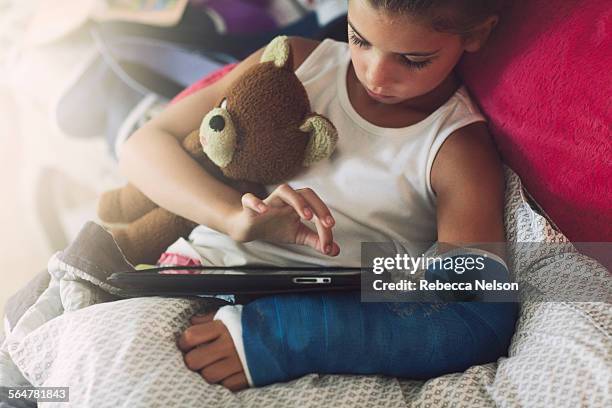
pixel 279 52
pixel 323 139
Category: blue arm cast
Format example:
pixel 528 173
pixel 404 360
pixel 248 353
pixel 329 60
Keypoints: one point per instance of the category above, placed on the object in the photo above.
pixel 288 336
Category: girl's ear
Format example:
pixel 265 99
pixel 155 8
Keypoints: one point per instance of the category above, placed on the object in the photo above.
pixel 476 38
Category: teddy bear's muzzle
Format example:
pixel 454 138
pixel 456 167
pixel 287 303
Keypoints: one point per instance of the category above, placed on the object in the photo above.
pixel 218 136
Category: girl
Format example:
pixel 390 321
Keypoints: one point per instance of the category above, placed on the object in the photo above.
pixel 414 164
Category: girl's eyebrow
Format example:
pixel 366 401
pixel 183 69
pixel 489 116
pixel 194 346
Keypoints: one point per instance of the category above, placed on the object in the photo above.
pixel 405 54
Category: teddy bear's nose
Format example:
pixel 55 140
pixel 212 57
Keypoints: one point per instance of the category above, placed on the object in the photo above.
pixel 217 123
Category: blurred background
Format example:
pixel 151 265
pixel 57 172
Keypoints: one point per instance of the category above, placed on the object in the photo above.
pixel 77 77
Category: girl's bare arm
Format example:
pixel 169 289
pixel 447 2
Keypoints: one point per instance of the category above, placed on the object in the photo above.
pixel 468 180
pixel 153 160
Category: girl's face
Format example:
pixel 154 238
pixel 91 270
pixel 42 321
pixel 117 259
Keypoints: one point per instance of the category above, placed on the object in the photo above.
pixel 397 58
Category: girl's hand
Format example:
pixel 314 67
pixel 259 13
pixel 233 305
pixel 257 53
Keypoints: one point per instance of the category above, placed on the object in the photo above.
pixel 209 349
pixel 278 217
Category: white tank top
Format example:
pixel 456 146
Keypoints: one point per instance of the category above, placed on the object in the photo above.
pixel 376 184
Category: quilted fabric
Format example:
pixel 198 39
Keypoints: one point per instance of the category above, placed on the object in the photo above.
pixel 123 353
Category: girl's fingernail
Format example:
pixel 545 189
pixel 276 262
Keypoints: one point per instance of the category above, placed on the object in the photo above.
pixel 329 220
pixel 261 207
pixel 307 212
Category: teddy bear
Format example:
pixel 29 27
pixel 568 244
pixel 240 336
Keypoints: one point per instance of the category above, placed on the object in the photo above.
pixel 261 132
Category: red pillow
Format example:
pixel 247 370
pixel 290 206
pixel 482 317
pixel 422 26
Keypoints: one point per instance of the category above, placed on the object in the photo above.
pixel 544 81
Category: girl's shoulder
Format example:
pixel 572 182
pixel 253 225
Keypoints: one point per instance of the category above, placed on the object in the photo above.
pixel 318 60
pixel 301 48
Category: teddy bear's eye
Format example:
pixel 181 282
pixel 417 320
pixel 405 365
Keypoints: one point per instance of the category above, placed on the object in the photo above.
pixel 217 123
pixel 223 104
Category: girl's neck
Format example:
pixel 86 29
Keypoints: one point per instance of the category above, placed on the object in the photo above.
pixel 402 114
pixel 432 100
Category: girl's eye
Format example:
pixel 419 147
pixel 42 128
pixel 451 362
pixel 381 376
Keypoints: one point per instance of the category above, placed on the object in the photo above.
pixel 357 41
pixel 416 64
pixel 411 64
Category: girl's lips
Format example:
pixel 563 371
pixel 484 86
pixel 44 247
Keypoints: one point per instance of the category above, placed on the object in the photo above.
pixel 377 95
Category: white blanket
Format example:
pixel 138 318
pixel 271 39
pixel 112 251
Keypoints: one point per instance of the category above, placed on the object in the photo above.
pixel 121 352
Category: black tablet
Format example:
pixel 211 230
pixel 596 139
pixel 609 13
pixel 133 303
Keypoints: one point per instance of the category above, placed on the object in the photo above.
pixel 239 280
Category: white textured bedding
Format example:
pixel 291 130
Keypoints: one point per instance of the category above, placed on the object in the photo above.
pixel 122 353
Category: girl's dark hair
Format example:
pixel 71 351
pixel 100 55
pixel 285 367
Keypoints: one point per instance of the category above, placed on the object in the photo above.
pixel 451 16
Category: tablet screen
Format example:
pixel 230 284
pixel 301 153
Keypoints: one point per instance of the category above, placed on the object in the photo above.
pixel 246 270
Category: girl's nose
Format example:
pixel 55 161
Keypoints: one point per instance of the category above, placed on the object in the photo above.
pixel 378 74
